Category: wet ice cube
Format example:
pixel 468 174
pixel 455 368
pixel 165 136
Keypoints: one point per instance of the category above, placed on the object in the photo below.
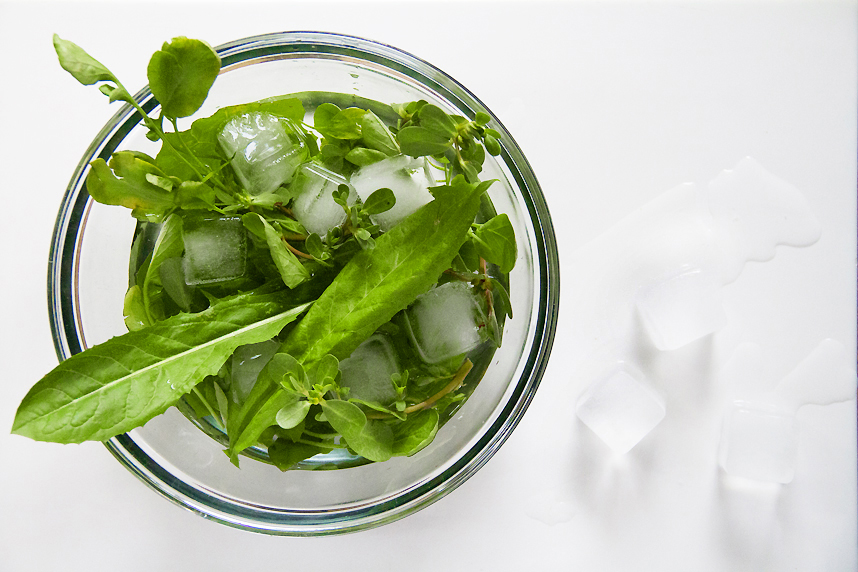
pixel 407 177
pixel 265 150
pixel 445 322
pixel 621 409
pixel 314 205
pixel 247 362
pixel 682 308
pixel 759 443
pixel 367 371
pixel 215 250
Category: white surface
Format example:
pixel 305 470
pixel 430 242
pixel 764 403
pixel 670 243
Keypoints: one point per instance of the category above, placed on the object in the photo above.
pixel 613 104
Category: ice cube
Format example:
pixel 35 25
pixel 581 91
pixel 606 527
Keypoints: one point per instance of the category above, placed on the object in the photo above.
pixel 407 177
pixel 215 250
pixel 759 442
pixel 367 371
pixel 620 408
pixel 247 362
pixel 445 322
pixel 314 205
pixel 682 308
pixel 265 150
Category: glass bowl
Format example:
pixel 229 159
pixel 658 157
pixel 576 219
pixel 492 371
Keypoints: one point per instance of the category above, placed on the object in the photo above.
pixel 88 276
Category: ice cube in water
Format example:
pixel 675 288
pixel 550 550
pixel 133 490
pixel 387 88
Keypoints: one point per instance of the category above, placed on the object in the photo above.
pixel 407 177
pixel 247 362
pixel 314 205
pixel 620 409
pixel 682 308
pixel 367 371
pixel 215 250
pixel 759 442
pixel 265 150
pixel 445 322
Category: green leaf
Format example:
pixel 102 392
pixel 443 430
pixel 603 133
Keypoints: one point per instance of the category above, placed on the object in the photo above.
pixel 415 433
pixel 325 370
pixel 492 146
pixel 291 270
pixel 482 118
pixel 119 385
pixel 435 120
pixel 222 401
pixel 286 455
pixel 133 309
pixel 420 142
pixel 181 74
pixel 495 241
pixel 266 399
pixel 123 183
pixel 381 200
pixel 373 287
pixel 361 156
pixel 323 115
pixel 168 245
pixel 376 136
pixel 378 283
pixel 292 414
pixel 370 438
pixel 86 69
pixel 200 142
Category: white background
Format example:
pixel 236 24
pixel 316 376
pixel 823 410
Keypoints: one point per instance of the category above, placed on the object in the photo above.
pixel 612 103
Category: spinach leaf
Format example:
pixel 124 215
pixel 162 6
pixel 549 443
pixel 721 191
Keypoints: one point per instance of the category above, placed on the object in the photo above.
pixel 119 385
pixel 181 74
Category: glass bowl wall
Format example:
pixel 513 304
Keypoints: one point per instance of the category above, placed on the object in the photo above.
pixel 88 276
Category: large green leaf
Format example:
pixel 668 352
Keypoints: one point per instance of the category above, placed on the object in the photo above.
pixel 122 383
pixel 378 283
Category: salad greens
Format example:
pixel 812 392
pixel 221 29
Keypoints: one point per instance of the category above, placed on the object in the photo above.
pixel 309 302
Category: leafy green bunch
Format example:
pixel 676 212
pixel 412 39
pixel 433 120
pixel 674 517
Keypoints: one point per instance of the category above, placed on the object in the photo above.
pixel 315 298
pixel 424 129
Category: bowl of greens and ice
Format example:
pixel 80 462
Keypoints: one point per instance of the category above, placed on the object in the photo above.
pixel 312 290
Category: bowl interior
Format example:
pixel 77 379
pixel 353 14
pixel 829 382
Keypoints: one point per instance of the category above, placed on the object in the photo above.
pixel 171 454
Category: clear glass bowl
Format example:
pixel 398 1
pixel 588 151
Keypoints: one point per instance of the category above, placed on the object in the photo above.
pixel 88 276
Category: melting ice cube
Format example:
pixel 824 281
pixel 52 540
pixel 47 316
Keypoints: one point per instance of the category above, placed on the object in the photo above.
pixel 621 409
pixel 445 322
pixel 314 205
pixel 759 442
pixel 407 177
pixel 247 362
pixel 265 150
pixel 214 250
pixel 368 370
pixel 682 308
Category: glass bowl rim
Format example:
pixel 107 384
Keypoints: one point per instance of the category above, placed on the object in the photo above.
pixel 62 278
